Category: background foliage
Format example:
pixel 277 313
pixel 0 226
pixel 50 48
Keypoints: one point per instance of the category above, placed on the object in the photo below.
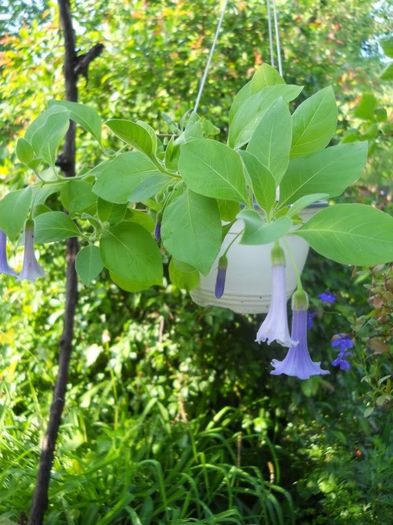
pixel 172 416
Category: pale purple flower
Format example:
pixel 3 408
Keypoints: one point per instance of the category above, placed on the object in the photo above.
pixel 221 276
pixel 4 268
pixel 275 325
pixel 327 297
pixel 31 270
pixel 298 362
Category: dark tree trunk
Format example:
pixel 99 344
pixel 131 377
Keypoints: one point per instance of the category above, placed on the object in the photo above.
pixel 67 163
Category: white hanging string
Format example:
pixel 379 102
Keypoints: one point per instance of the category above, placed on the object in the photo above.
pixel 277 37
pixel 269 25
pixel 209 59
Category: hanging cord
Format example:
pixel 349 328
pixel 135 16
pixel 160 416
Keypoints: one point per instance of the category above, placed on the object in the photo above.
pixel 269 25
pixel 277 38
pixel 204 77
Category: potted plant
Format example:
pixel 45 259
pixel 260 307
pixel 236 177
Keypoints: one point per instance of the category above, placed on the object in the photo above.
pixel 192 191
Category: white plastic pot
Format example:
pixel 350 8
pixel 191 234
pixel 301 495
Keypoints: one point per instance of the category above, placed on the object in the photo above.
pixel 248 284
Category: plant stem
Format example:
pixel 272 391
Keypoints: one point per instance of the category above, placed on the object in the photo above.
pixel 40 497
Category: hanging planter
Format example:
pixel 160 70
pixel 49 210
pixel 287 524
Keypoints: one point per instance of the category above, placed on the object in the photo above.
pixel 248 284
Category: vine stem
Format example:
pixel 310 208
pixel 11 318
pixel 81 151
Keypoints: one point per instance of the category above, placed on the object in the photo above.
pixel 40 496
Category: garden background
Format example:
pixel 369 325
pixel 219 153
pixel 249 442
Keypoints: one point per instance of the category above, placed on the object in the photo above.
pixel 171 413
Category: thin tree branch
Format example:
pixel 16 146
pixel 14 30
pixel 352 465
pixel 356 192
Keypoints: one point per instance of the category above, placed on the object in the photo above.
pixel 40 497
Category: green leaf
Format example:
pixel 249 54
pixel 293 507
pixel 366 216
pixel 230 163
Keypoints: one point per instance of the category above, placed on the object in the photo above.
pixel 257 231
pixel 262 180
pixel 77 196
pixel 24 151
pixel 271 140
pixel 264 76
pixel 142 218
pixel 14 208
pixel 85 116
pixel 228 209
pixel 212 169
pixel 305 201
pixel 41 194
pixel 128 284
pixel 314 123
pixel 108 211
pixel 41 120
pixel 46 138
pixel 191 230
pixel 387 73
pixel 119 177
pixel 181 279
pixel 366 107
pixel 387 46
pixel 88 263
pixel 131 255
pixel 251 111
pixel 329 171
pixel 351 234
pixel 135 134
pixel 150 187
pixel 54 226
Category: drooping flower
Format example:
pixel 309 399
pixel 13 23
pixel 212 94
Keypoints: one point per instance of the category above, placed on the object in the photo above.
pixel 157 231
pixel 327 297
pixel 341 360
pixel 31 270
pixel 275 325
pixel 298 362
pixel 221 276
pixel 4 268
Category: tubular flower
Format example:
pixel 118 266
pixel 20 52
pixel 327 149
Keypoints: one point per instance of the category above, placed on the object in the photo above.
pixel 4 268
pixel 298 362
pixel 275 325
pixel 221 276
pixel 31 270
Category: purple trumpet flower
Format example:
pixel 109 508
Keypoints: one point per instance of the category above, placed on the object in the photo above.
pixel 221 276
pixel 31 270
pixel 298 362
pixel 4 268
pixel 275 325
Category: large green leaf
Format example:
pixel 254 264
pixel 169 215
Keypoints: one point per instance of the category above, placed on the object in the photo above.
pixel 14 208
pixel 131 254
pixel 135 134
pixel 54 226
pixel 248 115
pixel 88 263
pixel 314 123
pixel 262 180
pixel 85 116
pixel 264 76
pixel 150 187
pixel 387 46
pixel 191 230
pixel 366 107
pixel 119 177
pixel 212 169
pixel 257 231
pixel 351 234
pixel 24 151
pixel 77 196
pixel 329 171
pixel 47 137
pixel 305 201
pixel 271 140
pixel 188 280
pixel 387 73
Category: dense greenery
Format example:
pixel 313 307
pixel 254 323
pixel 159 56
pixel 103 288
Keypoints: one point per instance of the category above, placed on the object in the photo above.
pixel 172 416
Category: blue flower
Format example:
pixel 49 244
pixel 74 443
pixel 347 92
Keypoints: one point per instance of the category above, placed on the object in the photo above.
pixel 343 341
pixel 157 231
pixel 327 297
pixel 298 362
pixel 4 268
pixel 31 270
pixel 275 325
pixel 310 319
pixel 341 360
pixel 221 276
